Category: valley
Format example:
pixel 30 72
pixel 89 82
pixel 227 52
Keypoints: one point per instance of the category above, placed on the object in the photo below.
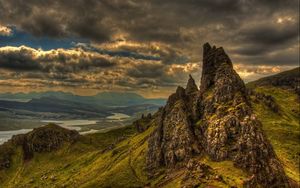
pixel 223 135
pixel 21 113
pixel 149 94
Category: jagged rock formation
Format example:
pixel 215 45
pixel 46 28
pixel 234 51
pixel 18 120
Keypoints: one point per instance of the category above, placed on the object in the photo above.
pixel 174 139
pixel 267 100
pixel 217 121
pixel 43 139
pixel 142 124
pixel 191 86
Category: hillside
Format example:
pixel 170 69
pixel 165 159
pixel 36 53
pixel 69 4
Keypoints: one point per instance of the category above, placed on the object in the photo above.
pixel 113 159
pixel 282 123
pixel 286 80
pixel 221 135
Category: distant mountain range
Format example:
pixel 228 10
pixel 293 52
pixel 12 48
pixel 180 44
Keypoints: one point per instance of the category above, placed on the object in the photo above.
pixel 61 105
pixel 101 99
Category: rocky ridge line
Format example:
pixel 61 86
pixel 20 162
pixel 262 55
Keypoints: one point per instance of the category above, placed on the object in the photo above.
pixel 216 121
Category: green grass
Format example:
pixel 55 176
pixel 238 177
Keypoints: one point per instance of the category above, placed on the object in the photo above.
pixel 8 176
pixel 232 176
pixel 282 128
pixel 86 163
pixel 118 158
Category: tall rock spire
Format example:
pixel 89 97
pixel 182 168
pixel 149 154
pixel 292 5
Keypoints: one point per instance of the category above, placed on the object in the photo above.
pixel 232 130
pixel 226 127
pixel 191 86
pixel 213 58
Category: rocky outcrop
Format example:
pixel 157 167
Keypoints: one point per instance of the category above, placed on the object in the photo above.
pixel 43 139
pixel 217 121
pixel 267 100
pixel 191 86
pixel 173 140
pixel 143 123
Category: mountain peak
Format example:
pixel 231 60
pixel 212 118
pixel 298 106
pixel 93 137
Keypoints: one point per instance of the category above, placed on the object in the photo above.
pixel 217 121
pixel 213 59
pixel 206 48
pixel 191 86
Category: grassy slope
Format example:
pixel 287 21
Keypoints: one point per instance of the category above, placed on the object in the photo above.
pixel 286 75
pixel 282 129
pixel 84 163
pixel 88 163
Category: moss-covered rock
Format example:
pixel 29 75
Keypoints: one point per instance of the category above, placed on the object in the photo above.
pixel 229 129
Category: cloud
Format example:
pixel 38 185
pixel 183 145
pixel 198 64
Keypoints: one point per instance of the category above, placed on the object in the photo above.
pixel 19 60
pixel 119 53
pixel 250 73
pixel 91 69
pixel 139 44
pixel 147 70
pixel 5 31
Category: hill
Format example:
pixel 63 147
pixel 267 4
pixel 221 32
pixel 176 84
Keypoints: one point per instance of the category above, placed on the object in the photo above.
pixel 278 108
pixel 287 80
pixel 221 135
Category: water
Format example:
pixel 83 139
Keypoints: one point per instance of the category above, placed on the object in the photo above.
pixel 72 123
pixel 69 124
pixel 6 135
pixel 89 131
pixel 117 116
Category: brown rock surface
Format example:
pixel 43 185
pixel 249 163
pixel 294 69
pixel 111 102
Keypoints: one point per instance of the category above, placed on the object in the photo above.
pixel 226 127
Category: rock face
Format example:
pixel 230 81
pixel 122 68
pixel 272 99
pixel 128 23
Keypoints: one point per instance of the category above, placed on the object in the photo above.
pixel 142 124
pixel 216 121
pixel 267 100
pixel 174 139
pixel 43 139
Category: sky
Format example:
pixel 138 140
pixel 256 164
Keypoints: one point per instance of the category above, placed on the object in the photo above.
pixel 144 46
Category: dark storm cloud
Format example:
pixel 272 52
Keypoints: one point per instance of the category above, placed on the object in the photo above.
pixel 44 25
pixel 270 35
pixel 155 20
pixel 57 18
pixel 58 61
pixel 119 53
pixel 162 38
pixel 146 71
pixel 18 60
